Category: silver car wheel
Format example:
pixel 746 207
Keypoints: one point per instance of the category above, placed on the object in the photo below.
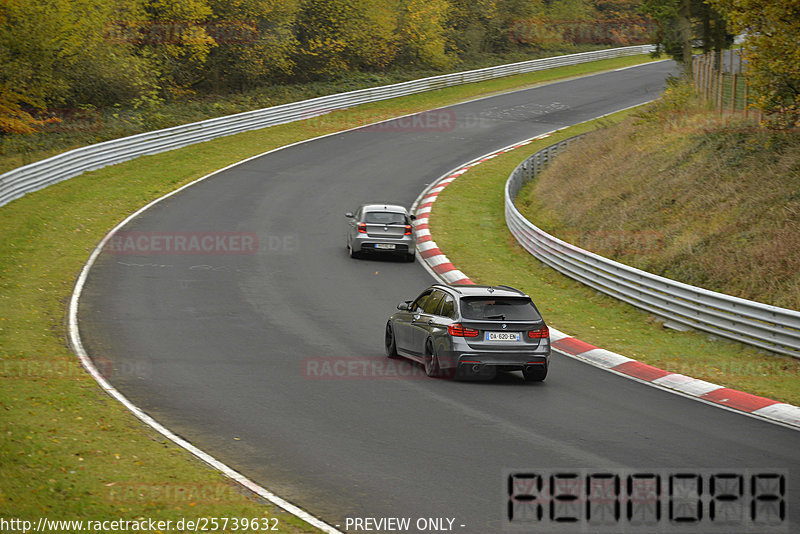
pixel 431 361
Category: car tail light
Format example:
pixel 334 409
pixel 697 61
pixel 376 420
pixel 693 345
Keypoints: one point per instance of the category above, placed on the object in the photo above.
pixel 543 332
pixel 362 228
pixel 458 330
pixel 408 229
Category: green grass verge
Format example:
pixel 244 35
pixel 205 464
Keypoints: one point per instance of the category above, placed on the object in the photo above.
pixel 469 227
pixel 68 450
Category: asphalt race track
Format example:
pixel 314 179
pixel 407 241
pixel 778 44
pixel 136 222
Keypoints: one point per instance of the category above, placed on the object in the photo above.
pixel 235 352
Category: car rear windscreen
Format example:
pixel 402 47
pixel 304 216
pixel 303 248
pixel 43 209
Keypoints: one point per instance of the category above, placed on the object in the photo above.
pixel 384 217
pixel 499 308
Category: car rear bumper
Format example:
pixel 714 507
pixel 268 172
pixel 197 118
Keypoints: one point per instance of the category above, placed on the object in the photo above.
pixel 405 245
pixel 505 360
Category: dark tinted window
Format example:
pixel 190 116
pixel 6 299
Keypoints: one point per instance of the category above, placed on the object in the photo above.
pixel 432 304
pixel 384 217
pixel 499 308
pixel 419 304
pixel 448 308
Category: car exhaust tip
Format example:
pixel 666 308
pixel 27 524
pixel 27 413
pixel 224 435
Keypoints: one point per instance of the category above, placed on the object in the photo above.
pixel 477 368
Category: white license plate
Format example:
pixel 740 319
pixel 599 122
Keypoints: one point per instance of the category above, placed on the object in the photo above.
pixel 384 246
pixel 501 336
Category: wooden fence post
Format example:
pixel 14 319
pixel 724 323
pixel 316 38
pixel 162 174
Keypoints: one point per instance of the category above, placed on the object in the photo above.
pixel 712 77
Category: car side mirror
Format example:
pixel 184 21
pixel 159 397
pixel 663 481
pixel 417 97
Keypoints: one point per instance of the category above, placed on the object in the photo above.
pixel 412 217
pixel 349 214
pixel 404 306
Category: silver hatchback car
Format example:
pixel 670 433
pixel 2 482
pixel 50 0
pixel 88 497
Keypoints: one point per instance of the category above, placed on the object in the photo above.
pixel 381 228
pixel 471 330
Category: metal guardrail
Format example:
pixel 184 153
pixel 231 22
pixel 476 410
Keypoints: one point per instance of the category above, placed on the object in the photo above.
pixel 38 175
pixel 764 326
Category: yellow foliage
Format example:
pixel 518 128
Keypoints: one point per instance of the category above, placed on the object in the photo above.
pixel 772 52
pixel 14 119
pixel 422 32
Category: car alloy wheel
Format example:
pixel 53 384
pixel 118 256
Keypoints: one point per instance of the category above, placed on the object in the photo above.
pixel 431 361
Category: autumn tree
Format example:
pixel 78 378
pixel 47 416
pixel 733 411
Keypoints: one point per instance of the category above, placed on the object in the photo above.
pixel 468 22
pixel 422 33
pixel 772 51
pixel 581 22
pixel 175 37
pixel 512 17
pixel 713 27
pixel 337 36
pixel 683 23
pixel 133 53
pixel 622 22
pixel 56 54
pixel 13 118
pixel 253 42
pixel 675 28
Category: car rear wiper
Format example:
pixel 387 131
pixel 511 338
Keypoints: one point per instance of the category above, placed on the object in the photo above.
pixel 501 317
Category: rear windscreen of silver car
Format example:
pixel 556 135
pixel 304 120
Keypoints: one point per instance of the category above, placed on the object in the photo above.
pixel 384 217
pixel 499 308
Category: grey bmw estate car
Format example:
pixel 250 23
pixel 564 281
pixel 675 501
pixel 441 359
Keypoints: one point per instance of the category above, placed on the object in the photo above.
pixel 381 228
pixel 471 330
